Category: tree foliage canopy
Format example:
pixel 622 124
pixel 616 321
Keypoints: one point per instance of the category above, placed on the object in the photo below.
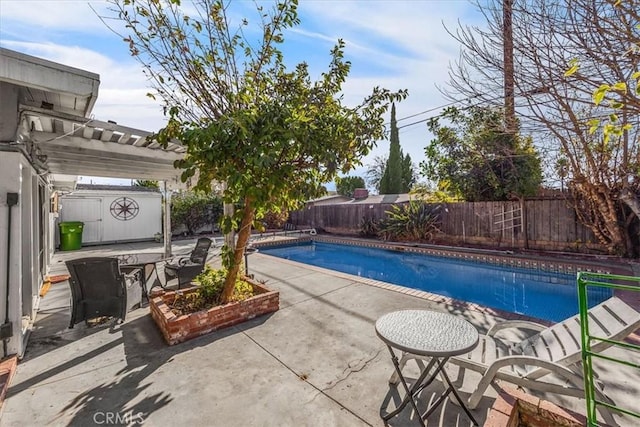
pixel 398 175
pixel 194 210
pixel 274 135
pixel 478 160
pixel 346 185
pixel 392 178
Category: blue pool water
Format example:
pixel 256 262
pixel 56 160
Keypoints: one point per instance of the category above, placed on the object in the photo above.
pixel 549 296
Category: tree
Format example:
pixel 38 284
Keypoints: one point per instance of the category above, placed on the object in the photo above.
pixel 476 159
pixel 391 182
pixel 195 210
pixel 346 185
pixel 566 49
pixel 270 133
pixel 146 183
pixel 408 174
pixel 375 171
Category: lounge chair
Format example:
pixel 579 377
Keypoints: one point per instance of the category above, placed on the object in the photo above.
pixel 99 289
pixel 552 350
pixel 187 268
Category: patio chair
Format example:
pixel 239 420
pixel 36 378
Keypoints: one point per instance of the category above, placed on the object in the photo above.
pixel 98 289
pixel 553 350
pixel 187 268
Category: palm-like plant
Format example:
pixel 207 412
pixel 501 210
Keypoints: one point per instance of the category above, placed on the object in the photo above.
pixel 414 221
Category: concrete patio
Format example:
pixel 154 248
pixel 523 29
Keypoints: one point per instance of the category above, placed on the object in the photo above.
pixel 315 362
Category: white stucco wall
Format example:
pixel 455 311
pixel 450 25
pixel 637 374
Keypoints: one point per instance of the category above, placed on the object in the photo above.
pixel 11 171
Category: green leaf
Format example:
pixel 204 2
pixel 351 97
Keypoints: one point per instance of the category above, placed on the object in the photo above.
pixel 573 68
pixel 600 93
pixel 620 87
pixel 571 71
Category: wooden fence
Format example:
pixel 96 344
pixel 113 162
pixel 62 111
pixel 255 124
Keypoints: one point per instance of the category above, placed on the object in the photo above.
pixel 551 224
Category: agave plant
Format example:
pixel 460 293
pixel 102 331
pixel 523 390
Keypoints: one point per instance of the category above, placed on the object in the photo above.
pixel 414 221
pixel 369 227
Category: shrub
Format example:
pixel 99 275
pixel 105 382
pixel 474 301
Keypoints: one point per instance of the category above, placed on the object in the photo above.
pixel 275 220
pixel 369 227
pixel 209 292
pixel 194 210
pixel 414 221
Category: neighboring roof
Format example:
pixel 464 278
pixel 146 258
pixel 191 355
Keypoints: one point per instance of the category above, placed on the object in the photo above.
pixel 382 199
pixel 330 200
pixel 375 199
pixel 122 188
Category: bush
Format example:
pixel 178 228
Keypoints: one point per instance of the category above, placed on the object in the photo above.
pixel 275 220
pixel 414 221
pixel 195 210
pixel 209 292
pixel 369 227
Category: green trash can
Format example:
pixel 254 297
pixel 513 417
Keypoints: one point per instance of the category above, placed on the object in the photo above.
pixel 70 235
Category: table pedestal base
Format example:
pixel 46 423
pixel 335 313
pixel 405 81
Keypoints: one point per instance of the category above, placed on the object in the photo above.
pixel 423 381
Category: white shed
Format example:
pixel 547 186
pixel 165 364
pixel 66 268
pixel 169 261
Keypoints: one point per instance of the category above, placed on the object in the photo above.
pixel 114 214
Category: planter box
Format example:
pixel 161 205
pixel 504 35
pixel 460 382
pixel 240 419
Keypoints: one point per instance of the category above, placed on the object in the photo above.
pixel 515 408
pixel 176 329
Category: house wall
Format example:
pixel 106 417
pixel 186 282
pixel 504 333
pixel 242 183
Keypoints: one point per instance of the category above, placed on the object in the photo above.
pixel 23 266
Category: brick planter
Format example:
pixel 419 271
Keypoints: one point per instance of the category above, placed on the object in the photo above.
pixel 515 408
pixel 176 329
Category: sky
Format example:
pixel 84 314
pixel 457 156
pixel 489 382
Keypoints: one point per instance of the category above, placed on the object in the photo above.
pixel 396 44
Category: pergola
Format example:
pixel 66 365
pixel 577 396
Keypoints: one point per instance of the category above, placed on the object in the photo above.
pixel 53 125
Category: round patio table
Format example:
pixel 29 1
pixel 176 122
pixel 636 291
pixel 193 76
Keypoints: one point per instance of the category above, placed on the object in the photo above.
pixel 437 336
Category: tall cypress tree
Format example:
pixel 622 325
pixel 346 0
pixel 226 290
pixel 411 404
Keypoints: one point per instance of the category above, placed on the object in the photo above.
pixel 391 182
pixel 408 177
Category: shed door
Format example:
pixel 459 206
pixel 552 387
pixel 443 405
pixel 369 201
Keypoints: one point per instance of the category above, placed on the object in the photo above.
pixel 89 211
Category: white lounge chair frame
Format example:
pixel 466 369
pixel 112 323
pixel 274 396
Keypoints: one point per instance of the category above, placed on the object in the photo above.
pixel 553 349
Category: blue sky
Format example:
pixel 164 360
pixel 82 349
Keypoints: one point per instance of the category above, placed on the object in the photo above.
pixel 395 44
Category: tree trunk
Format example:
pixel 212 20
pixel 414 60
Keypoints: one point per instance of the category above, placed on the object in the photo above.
pixel 631 200
pixel 599 214
pixel 238 253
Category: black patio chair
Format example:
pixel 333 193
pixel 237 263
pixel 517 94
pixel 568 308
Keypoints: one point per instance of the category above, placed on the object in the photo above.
pixel 187 268
pixel 99 289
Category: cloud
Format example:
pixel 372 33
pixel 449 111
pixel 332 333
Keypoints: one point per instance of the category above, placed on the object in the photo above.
pixel 408 46
pixel 43 16
pixel 123 88
pixel 392 44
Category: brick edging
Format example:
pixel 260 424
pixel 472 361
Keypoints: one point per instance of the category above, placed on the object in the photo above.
pixel 176 329
pixel 514 407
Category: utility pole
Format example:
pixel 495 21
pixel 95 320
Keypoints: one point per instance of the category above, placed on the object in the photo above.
pixel 509 97
pixel 507 52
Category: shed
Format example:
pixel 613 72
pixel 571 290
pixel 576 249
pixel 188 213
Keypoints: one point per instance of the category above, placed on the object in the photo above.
pixel 114 213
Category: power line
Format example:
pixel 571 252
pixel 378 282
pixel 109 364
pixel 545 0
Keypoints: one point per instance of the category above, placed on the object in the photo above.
pixel 446 105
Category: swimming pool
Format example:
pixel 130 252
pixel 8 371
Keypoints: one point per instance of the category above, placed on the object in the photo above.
pixel 544 295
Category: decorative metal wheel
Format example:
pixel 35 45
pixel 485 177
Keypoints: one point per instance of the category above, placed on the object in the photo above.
pixel 124 208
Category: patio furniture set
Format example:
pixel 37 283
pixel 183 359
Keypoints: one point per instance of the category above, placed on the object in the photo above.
pixel 440 338
pixel 112 286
